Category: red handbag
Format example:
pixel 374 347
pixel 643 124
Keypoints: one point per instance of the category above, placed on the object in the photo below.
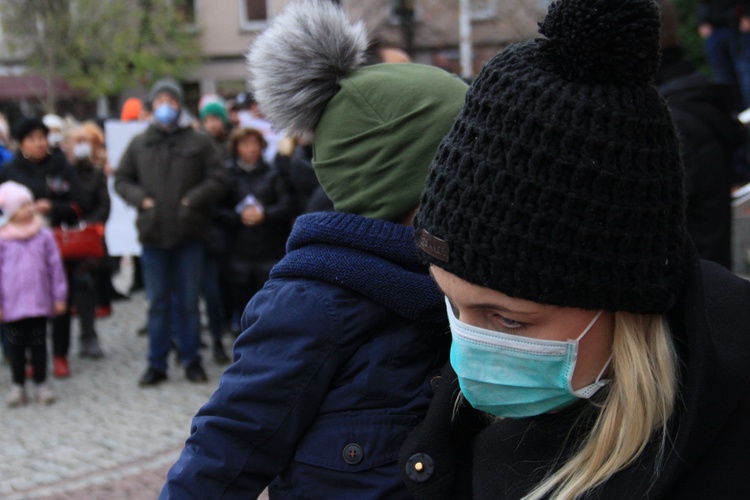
pixel 80 242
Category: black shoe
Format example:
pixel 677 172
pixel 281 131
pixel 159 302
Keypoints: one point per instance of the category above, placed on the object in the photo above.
pixel 195 372
pixel 152 377
pixel 220 356
pixel 90 348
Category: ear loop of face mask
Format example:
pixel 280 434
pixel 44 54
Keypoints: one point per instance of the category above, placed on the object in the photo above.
pixel 590 390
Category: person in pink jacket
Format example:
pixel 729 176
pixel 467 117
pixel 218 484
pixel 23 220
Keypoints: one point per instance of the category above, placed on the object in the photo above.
pixel 32 288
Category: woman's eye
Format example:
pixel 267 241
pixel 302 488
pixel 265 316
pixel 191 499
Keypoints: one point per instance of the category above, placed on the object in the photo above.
pixel 505 324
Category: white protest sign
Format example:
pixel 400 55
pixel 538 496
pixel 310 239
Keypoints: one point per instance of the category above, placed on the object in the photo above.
pixel 121 234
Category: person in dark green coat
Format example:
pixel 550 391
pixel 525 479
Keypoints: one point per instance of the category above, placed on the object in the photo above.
pixel 173 175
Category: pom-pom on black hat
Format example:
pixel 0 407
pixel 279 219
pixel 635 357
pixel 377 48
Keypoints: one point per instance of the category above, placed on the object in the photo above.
pixel 560 181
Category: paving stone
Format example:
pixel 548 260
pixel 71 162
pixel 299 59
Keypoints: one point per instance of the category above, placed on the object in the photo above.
pixel 104 437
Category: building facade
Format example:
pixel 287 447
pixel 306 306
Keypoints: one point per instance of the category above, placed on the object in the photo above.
pixel 428 29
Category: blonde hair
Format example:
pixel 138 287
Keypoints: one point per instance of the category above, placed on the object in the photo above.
pixel 639 403
pixel 94 133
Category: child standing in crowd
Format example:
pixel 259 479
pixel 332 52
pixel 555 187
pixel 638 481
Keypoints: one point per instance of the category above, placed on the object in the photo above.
pixel 32 288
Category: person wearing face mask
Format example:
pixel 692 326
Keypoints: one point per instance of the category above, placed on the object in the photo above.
pixel 594 355
pixel 55 135
pixel 83 276
pixel 58 198
pixel 173 175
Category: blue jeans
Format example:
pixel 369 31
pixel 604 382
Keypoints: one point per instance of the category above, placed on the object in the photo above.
pixel 173 274
pixel 728 54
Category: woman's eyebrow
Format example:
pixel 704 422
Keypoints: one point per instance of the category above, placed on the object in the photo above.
pixel 496 307
pixel 482 305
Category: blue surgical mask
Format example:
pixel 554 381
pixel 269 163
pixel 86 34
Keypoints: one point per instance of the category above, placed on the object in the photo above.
pixel 515 376
pixel 166 115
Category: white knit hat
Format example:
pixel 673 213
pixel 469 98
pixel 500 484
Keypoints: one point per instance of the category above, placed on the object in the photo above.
pixel 12 197
pixel 53 121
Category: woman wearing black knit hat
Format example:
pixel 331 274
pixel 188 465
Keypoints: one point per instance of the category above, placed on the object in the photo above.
pixel 593 354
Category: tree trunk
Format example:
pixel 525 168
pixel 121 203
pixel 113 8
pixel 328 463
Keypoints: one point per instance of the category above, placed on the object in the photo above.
pixel 51 102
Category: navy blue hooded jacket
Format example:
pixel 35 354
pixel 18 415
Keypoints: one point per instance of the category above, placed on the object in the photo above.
pixel 330 374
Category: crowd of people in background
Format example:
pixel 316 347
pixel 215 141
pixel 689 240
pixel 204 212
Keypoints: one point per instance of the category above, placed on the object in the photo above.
pixel 257 196
pixel 263 180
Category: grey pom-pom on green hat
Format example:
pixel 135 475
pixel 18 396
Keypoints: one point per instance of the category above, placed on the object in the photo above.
pixel 375 128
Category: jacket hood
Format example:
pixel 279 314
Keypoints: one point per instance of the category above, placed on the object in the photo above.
pixel 373 257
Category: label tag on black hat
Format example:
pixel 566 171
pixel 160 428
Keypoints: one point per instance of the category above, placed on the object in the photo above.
pixel 433 246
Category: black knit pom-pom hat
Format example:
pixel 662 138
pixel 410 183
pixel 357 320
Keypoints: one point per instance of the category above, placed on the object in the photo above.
pixel 560 181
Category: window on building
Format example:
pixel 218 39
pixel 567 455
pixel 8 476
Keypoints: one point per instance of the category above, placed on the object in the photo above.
pixel 253 14
pixel 186 8
pixel 483 9
pixel 191 94
pixel 230 88
pixel 399 10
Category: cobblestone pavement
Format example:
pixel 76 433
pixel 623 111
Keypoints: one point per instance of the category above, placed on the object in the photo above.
pixel 104 437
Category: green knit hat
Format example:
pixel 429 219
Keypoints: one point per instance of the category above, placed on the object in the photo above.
pixel 379 133
pixel 215 109
pixel 375 129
